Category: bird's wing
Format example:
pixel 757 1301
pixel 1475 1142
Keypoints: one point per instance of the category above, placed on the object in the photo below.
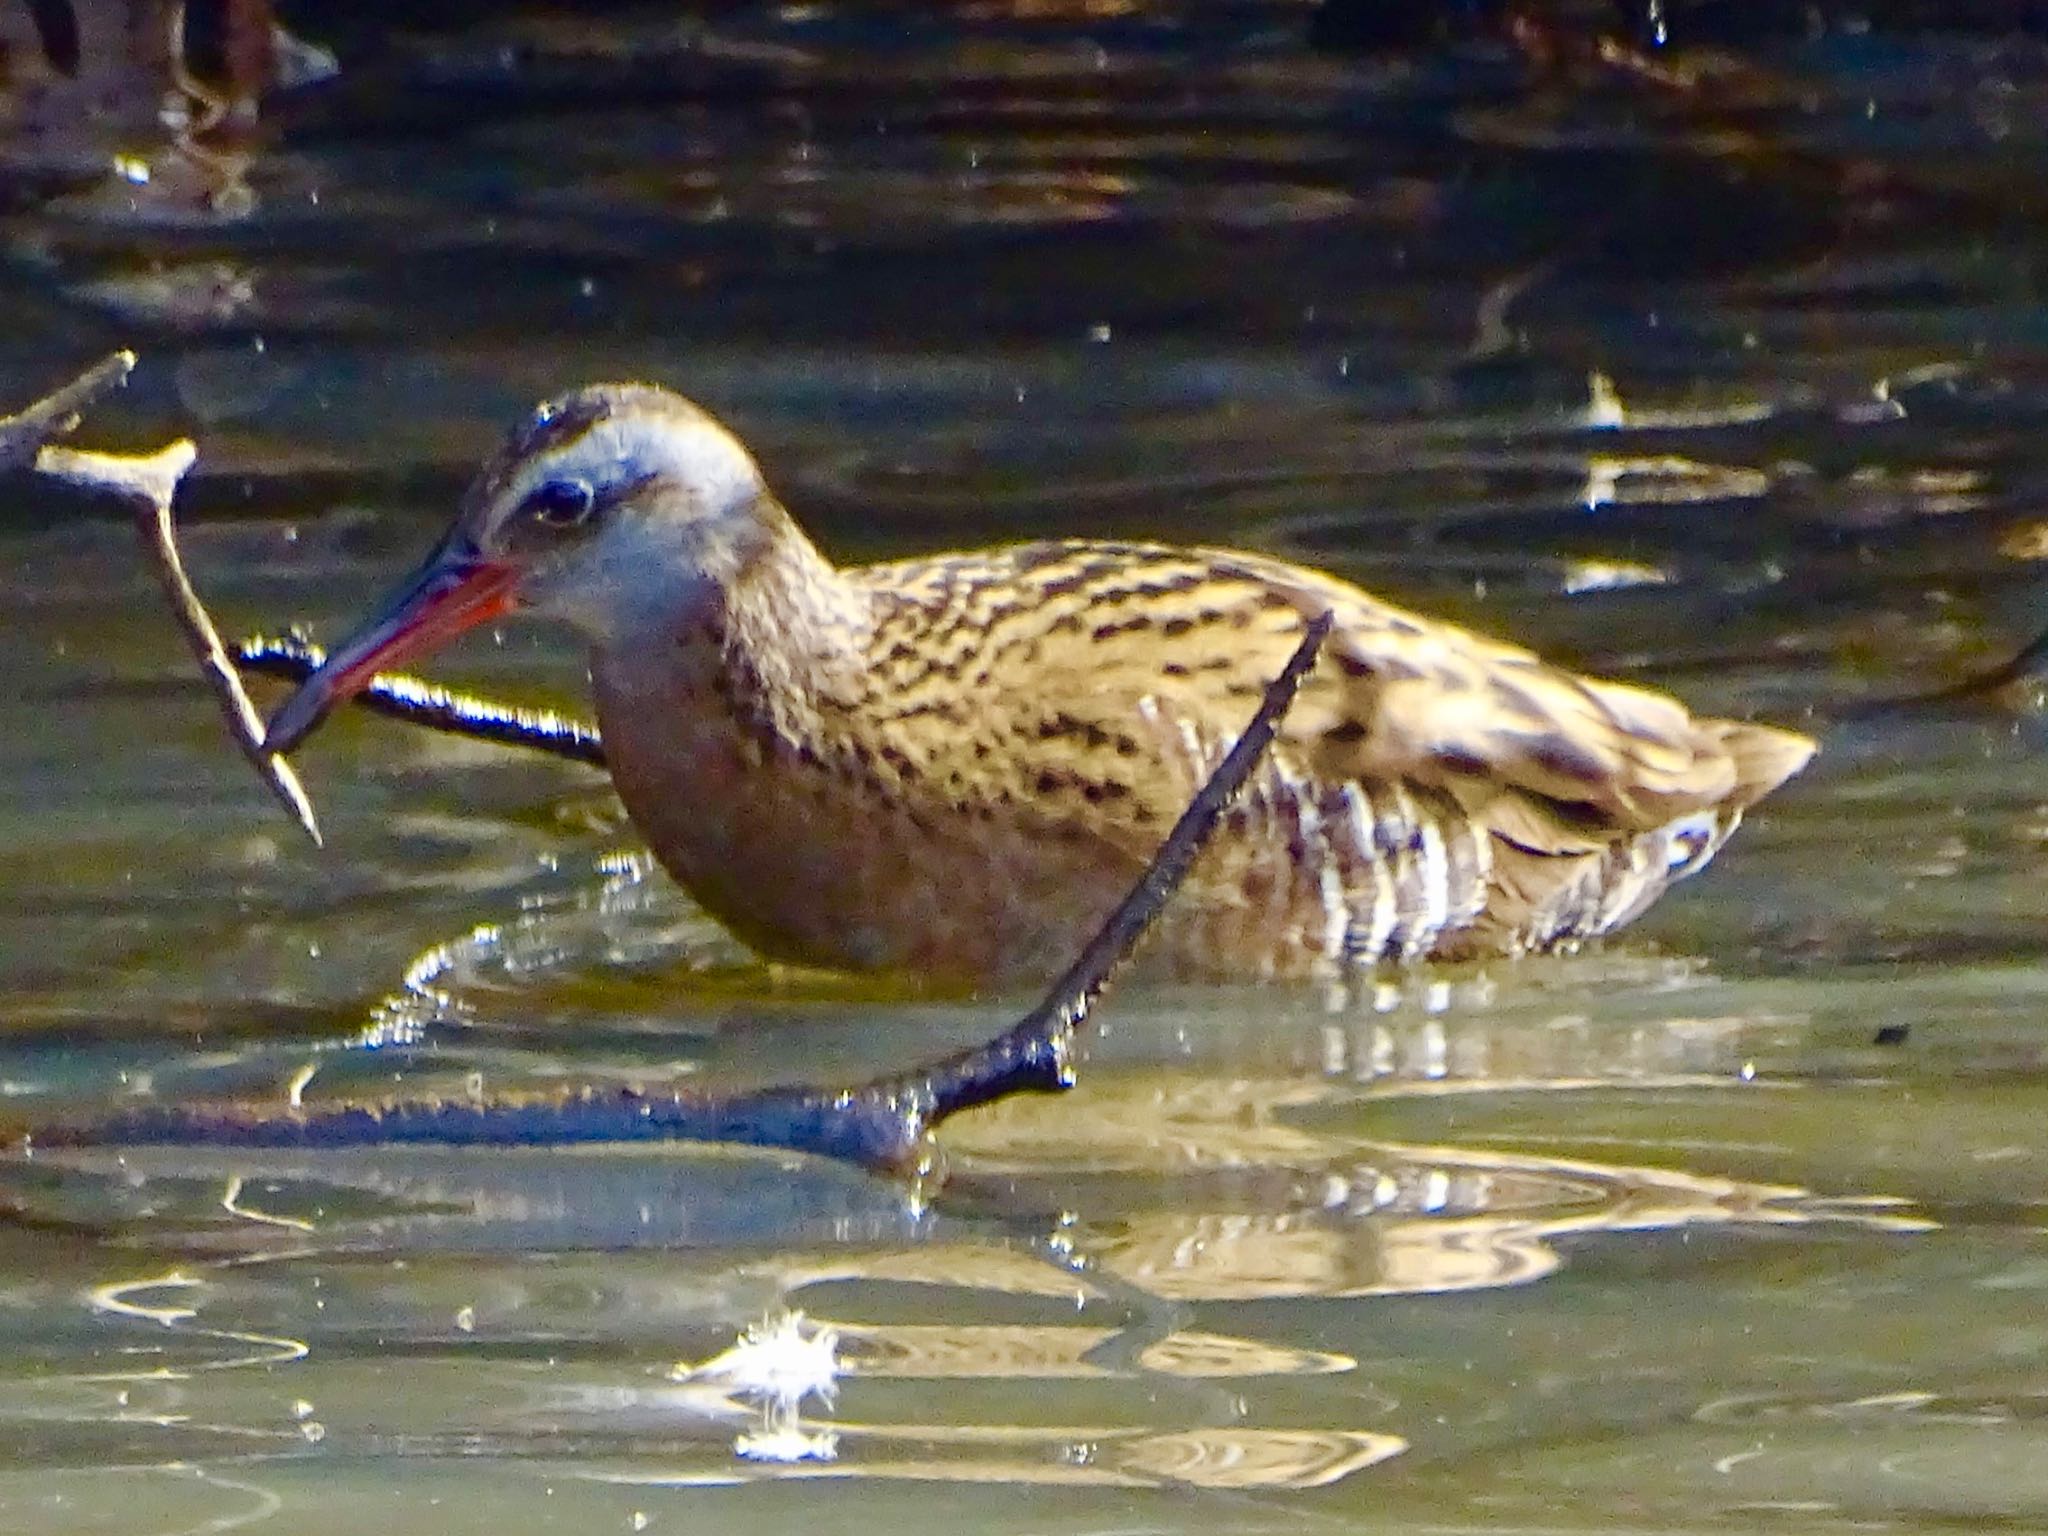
pixel 1069 672
pixel 1550 760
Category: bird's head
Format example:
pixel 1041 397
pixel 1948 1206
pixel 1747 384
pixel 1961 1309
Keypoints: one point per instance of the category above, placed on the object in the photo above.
pixel 607 508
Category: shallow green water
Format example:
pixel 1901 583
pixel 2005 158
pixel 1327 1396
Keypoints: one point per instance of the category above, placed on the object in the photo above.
pixel 1658 1238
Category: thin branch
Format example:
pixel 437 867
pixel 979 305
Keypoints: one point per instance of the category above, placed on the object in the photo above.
pixel 2020 665
pixel 23 436
pixel 149 484
pixel 143 480
pixel 245 725
pixel 884 1124
pixel 1041 1043
pixel 415 701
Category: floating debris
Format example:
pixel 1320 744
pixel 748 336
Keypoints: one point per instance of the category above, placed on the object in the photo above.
pixel 776 1364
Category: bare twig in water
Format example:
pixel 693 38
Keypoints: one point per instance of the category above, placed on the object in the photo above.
pixel 143 480
pixel 2014 669
pixel 884 1124
pixel 415 701
pixel 244 723
pixel 23 436
pixel 1036 1052
pixel 149 484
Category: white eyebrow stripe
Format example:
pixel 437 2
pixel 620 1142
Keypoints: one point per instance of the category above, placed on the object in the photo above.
pixel 699 454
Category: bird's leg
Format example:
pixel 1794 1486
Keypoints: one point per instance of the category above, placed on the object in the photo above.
pixel 885 1124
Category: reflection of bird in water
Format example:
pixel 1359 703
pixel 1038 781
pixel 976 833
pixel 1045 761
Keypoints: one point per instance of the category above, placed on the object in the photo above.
pixel 955 766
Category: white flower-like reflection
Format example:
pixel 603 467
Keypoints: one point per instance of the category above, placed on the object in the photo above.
pixel 776 1364
pixel 779 1362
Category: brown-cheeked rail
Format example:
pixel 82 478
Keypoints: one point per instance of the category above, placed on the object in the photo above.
pixel 952 767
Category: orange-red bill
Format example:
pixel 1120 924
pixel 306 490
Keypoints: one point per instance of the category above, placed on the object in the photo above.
pixel 456 589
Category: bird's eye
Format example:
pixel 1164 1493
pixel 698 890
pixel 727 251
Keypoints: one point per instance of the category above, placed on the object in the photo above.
pixel 562 503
